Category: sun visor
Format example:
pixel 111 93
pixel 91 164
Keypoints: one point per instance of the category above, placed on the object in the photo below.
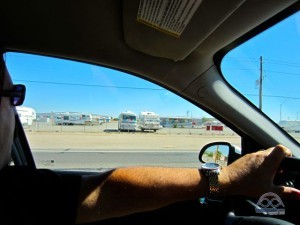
pixel 170 28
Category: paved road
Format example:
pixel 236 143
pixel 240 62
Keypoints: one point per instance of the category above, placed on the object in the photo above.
pixel 82 159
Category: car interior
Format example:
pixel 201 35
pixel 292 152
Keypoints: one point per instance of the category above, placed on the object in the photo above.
pixel 181 52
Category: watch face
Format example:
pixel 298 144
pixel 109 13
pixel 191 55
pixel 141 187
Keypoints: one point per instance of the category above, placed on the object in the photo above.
pixel 210 166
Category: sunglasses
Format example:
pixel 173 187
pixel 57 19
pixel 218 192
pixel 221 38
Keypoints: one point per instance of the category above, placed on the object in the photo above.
pixel 17 94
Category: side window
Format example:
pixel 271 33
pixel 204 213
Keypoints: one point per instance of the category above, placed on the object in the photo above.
pixel 265 70
pixel 82 116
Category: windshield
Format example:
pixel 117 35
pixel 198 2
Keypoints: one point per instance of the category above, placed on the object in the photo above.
pixel 266 70
pixel 129 118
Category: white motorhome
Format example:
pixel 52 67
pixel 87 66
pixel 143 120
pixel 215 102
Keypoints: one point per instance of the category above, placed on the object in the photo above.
pixel 149 121
pixel 127 121
pixel 26 114
pixel 72 118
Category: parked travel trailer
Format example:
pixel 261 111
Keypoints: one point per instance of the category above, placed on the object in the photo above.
pixel 73 118
pixel 149 121
pixel 127 121
pixel 26 114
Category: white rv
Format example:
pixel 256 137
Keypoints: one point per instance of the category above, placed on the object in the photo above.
pixel 149 121
pixel 127 121
pixel 27 115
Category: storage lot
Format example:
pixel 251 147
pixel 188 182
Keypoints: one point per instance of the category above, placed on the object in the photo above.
pixel 112 127
pixel 106 137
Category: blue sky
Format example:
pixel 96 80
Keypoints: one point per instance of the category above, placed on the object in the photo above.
pixel 93 89
pixel 60 85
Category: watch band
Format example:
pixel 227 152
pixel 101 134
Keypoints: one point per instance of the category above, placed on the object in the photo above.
pixel 211 172
pixel 213 183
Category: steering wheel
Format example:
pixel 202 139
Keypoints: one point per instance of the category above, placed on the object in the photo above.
pixel 269 208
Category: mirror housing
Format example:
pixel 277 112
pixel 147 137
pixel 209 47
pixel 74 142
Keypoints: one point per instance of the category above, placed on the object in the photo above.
pixel 220 152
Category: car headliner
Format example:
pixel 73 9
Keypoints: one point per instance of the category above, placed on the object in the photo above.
pixel 107 32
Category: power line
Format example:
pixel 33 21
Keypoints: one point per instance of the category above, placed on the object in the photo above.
pixel 272 71
pixel 272 61
pixel 283 63
pixel 91 85
pixel 294 74
pixel 273 96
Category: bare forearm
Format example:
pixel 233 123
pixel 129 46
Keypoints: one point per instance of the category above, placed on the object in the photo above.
pixel 131 190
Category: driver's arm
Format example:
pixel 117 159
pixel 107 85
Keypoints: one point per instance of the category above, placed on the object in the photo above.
pixel 125 191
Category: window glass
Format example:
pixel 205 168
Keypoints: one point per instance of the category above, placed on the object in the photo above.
pixel 266 70
pixel 83 116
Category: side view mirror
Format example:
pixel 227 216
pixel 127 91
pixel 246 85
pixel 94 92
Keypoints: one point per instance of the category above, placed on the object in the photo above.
pixel 220 152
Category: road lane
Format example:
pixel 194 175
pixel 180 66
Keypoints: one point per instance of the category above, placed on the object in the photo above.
pixel 82 159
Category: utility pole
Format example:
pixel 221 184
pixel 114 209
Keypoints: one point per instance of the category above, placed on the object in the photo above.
pixel 260 83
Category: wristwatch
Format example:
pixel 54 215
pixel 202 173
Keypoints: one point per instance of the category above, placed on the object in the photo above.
pixel 212 171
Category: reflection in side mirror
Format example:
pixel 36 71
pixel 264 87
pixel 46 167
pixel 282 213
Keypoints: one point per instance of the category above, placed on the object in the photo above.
pixel 222 153
pixel 217 154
